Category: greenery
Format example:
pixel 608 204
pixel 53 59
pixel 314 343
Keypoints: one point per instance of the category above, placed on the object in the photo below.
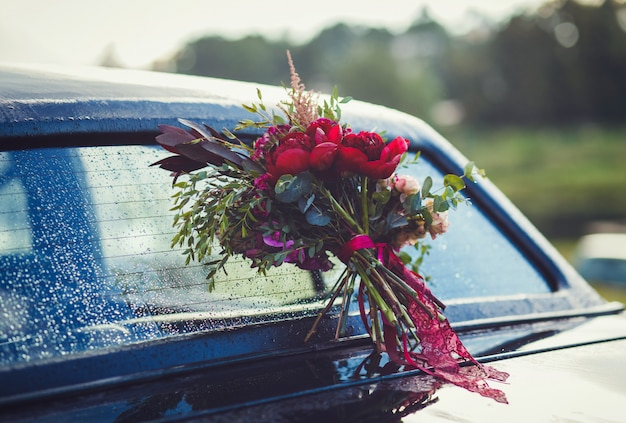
pixel 563 179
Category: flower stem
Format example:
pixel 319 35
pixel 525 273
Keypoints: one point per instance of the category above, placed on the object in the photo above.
pixel 342 212
pixel 375 296
pixel 364 205
pixel 323 312
pixel 348 290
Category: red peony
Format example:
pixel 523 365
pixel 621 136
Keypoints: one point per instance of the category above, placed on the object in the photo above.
pixel 323 156
pixel 369 143
pixel 388 161
pixel 366 154
pixel 325 130
pixel 325 149
pixel 290 155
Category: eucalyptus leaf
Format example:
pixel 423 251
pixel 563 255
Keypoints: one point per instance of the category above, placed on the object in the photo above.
pixel 448 193
pixel 305 202
pixel 440 205
pixel 382 197
pixel 316 217
pixel 396 220
pixel 426 186
pixel 290 188
pixel 468 171
pixel 453 181
pixel 413 203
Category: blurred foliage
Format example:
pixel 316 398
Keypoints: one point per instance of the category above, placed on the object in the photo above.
pixel 563 178
pixel 558 73
pixel 563 64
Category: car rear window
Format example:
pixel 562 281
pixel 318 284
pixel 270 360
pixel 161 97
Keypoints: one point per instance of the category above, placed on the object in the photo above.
pixel 86 261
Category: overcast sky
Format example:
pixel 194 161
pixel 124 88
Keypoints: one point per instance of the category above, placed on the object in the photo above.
pixel 141 31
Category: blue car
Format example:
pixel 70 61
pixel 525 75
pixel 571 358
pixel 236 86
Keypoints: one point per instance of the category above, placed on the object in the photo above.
pixel 101 320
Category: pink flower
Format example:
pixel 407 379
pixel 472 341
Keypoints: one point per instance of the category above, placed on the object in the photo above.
pixel 440 222
pixel 405 185
pixel 262 143
pixel 262 182
pixel 273 240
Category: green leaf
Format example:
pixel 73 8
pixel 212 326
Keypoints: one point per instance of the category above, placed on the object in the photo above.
pixel 426 186
pixel 405 257
pixel 229 134
pixel 252 108
pixel 413 203
pixel 305 202
pixel 382 197
pixel 468 171
pixel 290 188
pixel 448 193
pixel 440 204
pixel 396 220
pixel 453 181
pixel 316 217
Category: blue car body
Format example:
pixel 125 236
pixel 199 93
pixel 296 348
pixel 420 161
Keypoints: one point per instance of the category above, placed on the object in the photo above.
pixel 102 322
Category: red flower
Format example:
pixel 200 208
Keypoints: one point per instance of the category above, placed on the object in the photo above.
pixel 330 152
pixel 369 143
pixel 325 130
pixel 323 156
pixel 366 154
pixel 290 155
pixel 327 135
pixel 389 160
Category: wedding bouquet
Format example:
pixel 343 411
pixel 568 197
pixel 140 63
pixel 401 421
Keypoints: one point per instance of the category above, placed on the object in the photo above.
pixel 311 188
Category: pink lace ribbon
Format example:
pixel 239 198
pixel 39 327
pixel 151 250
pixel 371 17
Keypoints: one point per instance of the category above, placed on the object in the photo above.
pixel 441 352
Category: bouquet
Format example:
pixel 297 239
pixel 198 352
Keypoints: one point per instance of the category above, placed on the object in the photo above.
pixel 310 188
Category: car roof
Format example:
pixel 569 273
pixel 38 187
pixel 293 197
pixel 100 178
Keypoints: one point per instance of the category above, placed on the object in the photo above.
pixel 48 100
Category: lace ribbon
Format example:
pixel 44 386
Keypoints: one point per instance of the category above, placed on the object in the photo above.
pixel 441 352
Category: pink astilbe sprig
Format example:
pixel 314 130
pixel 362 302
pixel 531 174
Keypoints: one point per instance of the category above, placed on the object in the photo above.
pixel 302 109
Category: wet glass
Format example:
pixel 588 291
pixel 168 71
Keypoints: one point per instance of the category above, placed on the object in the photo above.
pixel 473 259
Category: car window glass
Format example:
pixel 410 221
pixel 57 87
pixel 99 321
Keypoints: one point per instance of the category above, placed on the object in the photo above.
pixel 473 258
pixel 86 261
